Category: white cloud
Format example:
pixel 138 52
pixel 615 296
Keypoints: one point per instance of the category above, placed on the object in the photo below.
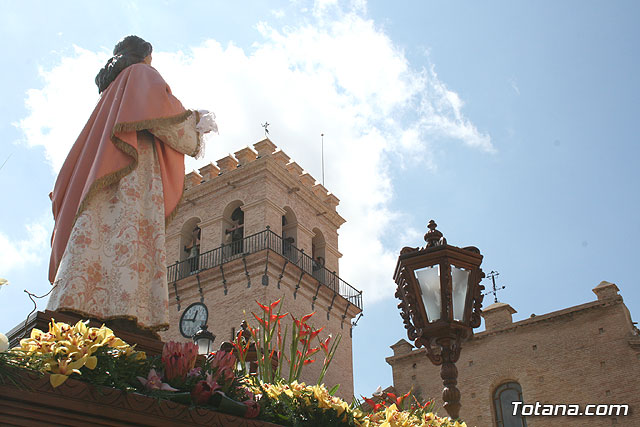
pixel 60 109
pixel 342 76
pixel 28 251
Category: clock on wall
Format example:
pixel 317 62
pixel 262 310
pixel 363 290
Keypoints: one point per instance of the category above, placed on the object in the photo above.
pixel 193 318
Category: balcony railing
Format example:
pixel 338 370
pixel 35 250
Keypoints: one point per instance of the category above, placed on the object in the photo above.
pixel 266 239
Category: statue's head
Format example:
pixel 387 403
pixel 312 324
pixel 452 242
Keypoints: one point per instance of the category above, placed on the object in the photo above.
pixel 128 51
pixel 134 47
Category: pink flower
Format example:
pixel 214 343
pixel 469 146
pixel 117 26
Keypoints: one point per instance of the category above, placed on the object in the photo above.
pixel 154 382
pixel 225 363
pixel 194 372
pixel 203 390
pixel 178 359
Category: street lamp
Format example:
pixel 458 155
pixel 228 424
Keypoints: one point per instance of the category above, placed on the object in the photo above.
pixel 441 296
pixel 204 340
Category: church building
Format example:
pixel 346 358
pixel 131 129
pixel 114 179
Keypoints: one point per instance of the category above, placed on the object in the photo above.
pixel 583 355
pixel 256 227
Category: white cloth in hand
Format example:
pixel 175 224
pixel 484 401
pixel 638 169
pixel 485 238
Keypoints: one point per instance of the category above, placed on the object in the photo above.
pixel 207 122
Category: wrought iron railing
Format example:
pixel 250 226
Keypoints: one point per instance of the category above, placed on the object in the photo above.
pixel 263 240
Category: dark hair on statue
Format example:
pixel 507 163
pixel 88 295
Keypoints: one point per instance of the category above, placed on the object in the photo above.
pixel 130 50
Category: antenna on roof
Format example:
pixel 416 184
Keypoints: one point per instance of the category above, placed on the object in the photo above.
pixel 495 290
pixel 322 148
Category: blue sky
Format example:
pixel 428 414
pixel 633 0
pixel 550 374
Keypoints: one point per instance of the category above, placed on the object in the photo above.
pixel 512 124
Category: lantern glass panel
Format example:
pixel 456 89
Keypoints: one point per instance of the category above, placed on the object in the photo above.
pixel 460 279
pixel 204 344
pixel 429 280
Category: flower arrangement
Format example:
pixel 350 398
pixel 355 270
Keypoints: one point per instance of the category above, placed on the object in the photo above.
pixel 286 401
pixel 272 348
pixel 297 404
pixel 218 381
pixel 67 350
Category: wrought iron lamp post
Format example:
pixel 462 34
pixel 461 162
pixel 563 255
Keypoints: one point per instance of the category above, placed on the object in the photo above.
pixel 441 298
pixel 204 340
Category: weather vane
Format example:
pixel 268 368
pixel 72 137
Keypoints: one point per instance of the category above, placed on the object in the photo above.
pixel 266 130
pixel 495 290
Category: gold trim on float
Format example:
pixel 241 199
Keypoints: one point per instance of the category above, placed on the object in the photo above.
pixel 85 315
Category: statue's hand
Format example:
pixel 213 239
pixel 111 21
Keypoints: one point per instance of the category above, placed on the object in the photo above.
pixel 207 122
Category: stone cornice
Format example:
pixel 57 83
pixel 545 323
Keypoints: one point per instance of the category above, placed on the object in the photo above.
pixel 245 174
pixel 211 221
pixel 550 317
pixel 333 250
pixel 309 196
pixel 544 318
pixel 233 177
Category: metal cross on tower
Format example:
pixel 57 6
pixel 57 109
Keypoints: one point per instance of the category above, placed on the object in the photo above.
pixel 495 290
pixel 266 130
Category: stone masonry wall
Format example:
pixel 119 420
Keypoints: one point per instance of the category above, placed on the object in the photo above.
pixel 265 184
pixel 589 354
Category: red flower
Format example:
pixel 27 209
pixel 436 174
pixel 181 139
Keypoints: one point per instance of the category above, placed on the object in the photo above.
pixel 315 333
pixel 270 308
pixel 375 406
pixel 253 410
pixel 325 345
pixel 277 317
pixel 260 320
pixel 203 390
pixel 302 322
pixel 307 317
pixel 240 347
pixel 398 400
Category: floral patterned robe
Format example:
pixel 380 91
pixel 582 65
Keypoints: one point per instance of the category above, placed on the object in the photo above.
pixel 114 265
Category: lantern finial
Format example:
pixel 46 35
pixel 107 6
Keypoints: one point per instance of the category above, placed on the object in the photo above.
pixel 433 236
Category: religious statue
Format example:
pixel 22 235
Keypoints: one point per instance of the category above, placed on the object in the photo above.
pixel 193 249
pixel 118 188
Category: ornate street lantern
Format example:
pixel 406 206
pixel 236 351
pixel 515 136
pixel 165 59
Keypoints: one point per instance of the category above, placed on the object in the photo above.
pixel 441 296
pixel 204 340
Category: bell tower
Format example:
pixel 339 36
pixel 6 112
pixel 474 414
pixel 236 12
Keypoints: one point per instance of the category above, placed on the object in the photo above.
pixel 256 227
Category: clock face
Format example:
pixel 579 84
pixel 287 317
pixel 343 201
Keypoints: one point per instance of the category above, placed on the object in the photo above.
pixel 193 318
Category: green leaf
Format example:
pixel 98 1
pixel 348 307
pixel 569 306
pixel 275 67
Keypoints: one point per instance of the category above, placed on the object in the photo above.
pixel 334 389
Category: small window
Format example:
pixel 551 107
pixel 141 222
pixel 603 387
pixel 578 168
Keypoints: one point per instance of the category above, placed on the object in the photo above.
pixel 233 230
pixel 290 235
pixel 318 256
pixel 503 398
pixel 189 251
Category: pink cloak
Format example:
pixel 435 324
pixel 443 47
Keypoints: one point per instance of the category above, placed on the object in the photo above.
pixel 107 150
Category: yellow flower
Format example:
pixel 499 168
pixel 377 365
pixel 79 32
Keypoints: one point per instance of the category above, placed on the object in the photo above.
pixel 81 329
pixel 71 348
pixel 63 369
pixel 36 334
